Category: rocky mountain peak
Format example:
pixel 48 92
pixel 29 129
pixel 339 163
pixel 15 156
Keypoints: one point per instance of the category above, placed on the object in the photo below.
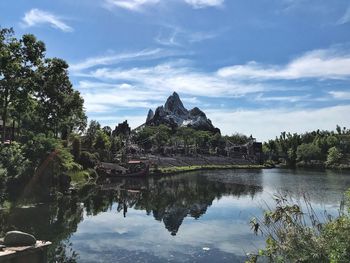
pixel 174 114
pixel 174 105
pixel 150 115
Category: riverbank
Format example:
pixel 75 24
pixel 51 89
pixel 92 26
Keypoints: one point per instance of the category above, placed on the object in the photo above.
pixel 184 169
pixel 166 165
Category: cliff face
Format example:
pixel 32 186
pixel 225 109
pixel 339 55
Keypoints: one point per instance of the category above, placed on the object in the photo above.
pixel 174 114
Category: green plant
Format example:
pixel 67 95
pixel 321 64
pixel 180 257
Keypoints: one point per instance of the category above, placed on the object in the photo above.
pixel 296 236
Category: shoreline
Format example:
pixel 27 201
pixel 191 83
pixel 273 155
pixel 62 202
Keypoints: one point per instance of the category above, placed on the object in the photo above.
pixel 183 169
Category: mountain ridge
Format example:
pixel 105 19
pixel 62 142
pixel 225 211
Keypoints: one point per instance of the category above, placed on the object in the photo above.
pixel 174 114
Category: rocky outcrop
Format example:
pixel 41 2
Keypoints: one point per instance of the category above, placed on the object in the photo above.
pixel 174 114
pixel 150 115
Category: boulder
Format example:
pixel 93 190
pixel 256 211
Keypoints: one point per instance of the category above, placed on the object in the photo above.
pixel 18 238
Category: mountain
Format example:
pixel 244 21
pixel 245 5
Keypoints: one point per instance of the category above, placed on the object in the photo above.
pixel 174 114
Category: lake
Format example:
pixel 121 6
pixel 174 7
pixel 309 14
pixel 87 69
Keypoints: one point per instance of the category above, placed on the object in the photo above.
pixel 194 217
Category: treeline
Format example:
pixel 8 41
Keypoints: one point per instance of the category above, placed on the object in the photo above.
pixel 39 110
pixel 162 138
pixel 323 149
pixel 111 144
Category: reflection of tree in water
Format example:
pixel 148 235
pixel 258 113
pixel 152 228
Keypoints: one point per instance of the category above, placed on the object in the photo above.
pixel 55 221
pixel 168 199
pixel 172 199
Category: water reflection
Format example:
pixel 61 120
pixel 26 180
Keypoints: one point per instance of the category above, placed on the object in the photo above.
pixel 169 199
pixel 171 218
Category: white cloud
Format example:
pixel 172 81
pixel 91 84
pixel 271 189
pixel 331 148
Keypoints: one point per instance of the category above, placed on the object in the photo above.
pixel 133 5
pixel 265 124
pixel 170 77
pixel 205 3
pixel 291 99
pixel 117 58
pixel 340 95
pixel 138 5
pixel 39 17
pixel 178 37
pixel 320 64
pixel 345 18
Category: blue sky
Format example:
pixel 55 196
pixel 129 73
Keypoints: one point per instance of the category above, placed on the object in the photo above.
pixel 254 66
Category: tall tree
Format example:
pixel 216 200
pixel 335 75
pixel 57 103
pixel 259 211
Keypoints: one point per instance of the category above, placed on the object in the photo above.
pixel 19 58
pixel 60 107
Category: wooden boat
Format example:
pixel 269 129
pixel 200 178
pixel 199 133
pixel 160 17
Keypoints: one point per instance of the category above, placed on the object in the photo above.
pixel 133 168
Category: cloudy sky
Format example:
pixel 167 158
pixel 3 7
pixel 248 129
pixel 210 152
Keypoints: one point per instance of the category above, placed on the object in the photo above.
pixel 254 66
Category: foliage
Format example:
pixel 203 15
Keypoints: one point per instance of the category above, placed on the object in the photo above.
pixel 12 159
pixel 295 236
pixel 310 146
pixel 76 148
pixel 88 160
pixel 35 92
pixel 79 177
pixel 102 141
pixel 334 156
pixel 91 133
pixel 308 151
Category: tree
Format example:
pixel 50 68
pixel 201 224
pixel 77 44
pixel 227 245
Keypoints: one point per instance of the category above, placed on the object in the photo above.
pixel 161 136
pixel 217 142
pixel 334 156
pixel 19 59
pixel 60 107
pixel 91 133
pixel 187 136
pixel 102 141
pixel 308 151
pixel 107 130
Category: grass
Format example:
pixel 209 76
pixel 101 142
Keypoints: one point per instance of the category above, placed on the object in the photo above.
pixel 183 169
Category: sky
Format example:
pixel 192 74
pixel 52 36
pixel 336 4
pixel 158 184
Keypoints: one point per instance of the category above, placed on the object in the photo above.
pixel 255 67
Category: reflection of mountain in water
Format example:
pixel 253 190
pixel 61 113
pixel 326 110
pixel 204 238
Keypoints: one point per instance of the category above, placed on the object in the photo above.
pixel 172 199
pixel 169 200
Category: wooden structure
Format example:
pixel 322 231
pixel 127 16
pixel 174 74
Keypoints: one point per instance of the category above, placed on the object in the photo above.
pixel 25 254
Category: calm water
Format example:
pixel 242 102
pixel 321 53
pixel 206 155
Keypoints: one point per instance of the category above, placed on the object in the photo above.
pixel 195 217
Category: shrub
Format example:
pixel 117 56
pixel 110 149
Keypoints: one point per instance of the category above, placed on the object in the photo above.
pixel 295 236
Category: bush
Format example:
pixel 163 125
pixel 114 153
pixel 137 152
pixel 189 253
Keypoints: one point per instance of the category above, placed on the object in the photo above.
pixel 295 236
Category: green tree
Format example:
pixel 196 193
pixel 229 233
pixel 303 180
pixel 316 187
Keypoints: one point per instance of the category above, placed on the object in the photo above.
pixel 60 107
pixel 307 152
pixel 91 133
pixel 19 59
pixel 102 141
pixel 334 156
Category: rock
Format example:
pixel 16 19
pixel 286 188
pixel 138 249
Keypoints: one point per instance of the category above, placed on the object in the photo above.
pixel 18 238
pixel 150 115
pixel 174 105
pixel 174 115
